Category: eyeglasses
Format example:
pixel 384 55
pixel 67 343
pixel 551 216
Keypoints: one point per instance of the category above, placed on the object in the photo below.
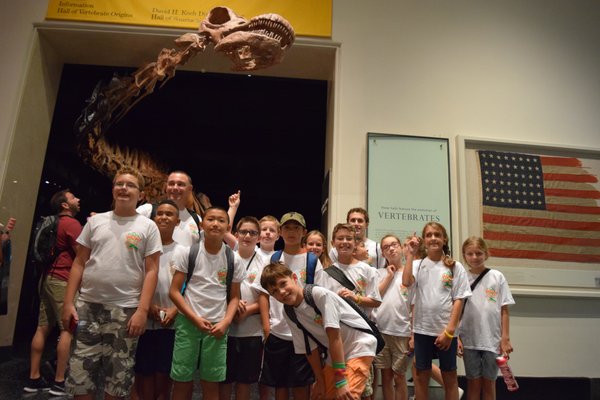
pixel 244 232
pixel 394 245
pixel 128 185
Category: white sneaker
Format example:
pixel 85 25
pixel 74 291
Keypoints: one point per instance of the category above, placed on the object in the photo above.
pixel 460 393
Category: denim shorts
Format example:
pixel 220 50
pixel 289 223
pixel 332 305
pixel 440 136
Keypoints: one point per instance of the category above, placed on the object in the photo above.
pixel 480 363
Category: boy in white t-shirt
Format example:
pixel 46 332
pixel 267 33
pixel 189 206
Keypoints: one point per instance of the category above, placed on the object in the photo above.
pixel 282 368
pixel 206 310
pixel 350 351
pixel 245 337
pixel 362 276
pixel 358 217
pixel 116 271
pixel 155 348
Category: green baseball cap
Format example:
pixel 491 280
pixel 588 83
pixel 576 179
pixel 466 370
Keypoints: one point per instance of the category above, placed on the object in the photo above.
pixel 293 216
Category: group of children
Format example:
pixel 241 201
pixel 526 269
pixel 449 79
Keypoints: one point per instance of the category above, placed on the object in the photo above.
pixel 293 320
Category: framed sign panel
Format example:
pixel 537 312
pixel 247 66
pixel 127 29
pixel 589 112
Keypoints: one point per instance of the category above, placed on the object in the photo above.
pixel 408 184
pixel 538 208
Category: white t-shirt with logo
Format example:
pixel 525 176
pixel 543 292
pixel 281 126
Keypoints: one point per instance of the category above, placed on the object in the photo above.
pixel 297 263
pixel 335 313
pixel 114 274
pixel 362 275
pixel 206 292
pixel 165 277
pixel 393 316
pixel 481 327
pixel 186 232
pixel 251 325
pixel 436 287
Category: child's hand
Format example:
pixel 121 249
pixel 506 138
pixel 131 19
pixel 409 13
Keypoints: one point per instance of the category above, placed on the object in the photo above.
pixel 506 347
pixel 219 329
pixel 234 199
pixel 171 314
pixel 10 225
pixel 460 351
pixel 203 324
pixel 343 393
pixel 391 269
pixel 443 342
pixel 154 312
pixel 346 293
pixel 318 390
pixel 413 244
pixel 136 325
pixel 242 311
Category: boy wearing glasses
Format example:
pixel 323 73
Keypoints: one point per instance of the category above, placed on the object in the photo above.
pixel 115 271
pixel 245 337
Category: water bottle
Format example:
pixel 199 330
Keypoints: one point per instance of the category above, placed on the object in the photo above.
pixel 509 378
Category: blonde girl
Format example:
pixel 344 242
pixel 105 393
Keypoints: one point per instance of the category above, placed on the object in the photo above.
pixel 317 243
pixel 440 285
pixel 484 329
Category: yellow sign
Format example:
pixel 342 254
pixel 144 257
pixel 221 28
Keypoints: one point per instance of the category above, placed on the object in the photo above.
pixel 307 17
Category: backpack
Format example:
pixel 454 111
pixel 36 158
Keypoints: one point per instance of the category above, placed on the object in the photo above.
pixel 291 313
pixel 43 251
pixel 311 264
pixel 194 249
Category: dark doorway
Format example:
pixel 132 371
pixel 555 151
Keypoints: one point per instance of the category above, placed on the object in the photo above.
pixel 264 136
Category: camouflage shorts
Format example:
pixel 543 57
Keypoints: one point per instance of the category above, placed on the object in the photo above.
pixel 101 345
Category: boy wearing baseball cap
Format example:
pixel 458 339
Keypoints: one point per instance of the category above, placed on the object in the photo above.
pixel 282 368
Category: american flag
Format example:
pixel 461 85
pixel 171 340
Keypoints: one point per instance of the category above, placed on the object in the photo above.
pixel 539 207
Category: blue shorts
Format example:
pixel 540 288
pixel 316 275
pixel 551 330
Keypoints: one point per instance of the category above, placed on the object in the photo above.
pixel 426 350
pixel 480 363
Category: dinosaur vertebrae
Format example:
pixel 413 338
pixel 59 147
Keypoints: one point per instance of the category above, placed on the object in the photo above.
pixel 254 44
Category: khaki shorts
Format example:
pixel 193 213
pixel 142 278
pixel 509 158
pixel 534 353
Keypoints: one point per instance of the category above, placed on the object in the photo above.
pixel 394 354
pixel 101 344
pixel 52 295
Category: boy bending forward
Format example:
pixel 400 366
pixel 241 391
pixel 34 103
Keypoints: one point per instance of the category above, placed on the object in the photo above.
pixel 350 351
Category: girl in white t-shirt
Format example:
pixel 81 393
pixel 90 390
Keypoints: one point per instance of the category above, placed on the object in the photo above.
pixel 440 285
pixel 393 319
pixel 484 329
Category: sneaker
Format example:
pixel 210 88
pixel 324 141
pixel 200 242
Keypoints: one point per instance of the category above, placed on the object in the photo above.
pixel 460 393
pixel 36 385
pixel 58 389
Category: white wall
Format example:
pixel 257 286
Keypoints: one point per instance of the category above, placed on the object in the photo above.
pixel 520 70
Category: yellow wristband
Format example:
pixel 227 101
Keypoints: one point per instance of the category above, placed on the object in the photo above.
pixel 358 299
pixel 449 336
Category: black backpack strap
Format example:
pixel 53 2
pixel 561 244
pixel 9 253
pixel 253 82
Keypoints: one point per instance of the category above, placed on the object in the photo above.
pixel 373 330
pixel 337 274
pixel 194 249
pixel 230 264
pixel 153 211
pixel 473 285
pixel 196 217
pixel 291 313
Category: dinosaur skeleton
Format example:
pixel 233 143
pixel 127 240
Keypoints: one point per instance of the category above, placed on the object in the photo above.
pixel 251 44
